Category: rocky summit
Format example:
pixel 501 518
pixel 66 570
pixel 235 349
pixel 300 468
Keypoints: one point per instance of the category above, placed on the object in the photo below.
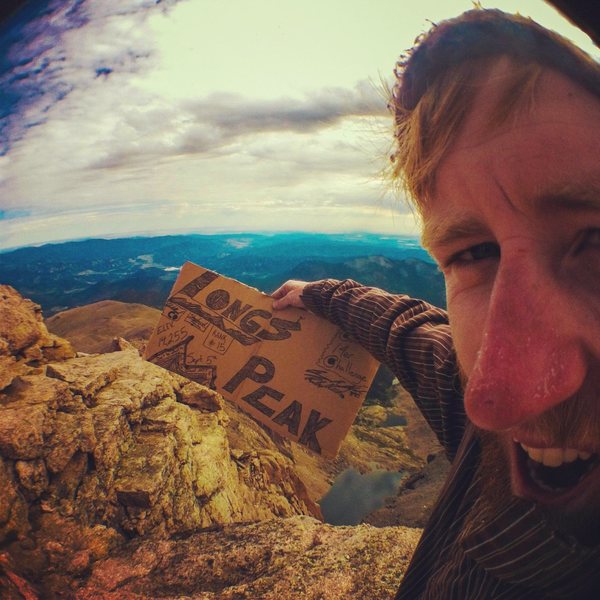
pixel 120 480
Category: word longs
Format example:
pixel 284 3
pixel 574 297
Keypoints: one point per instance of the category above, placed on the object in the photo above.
pixel 242 321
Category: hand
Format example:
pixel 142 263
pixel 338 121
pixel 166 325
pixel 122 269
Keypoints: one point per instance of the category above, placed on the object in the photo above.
pixel 289 294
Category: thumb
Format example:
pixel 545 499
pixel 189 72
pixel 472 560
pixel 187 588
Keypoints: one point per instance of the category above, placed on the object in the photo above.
pixel 280 292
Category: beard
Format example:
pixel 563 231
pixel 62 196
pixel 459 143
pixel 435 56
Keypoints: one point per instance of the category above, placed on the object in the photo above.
pixel 570 424
pixel 496 493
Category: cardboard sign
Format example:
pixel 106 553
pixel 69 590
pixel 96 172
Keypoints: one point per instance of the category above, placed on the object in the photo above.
pixel 291 370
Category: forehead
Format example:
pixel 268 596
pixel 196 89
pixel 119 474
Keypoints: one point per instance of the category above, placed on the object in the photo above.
pixel 554 99
pixel 546 148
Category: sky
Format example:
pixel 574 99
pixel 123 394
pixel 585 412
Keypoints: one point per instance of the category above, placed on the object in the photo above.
pixel 145 117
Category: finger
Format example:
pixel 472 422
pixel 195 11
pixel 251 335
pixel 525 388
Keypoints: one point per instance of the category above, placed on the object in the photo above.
pixel 283 302
pixel 280 292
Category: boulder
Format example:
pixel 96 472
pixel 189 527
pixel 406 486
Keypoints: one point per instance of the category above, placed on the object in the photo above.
pixel 24 339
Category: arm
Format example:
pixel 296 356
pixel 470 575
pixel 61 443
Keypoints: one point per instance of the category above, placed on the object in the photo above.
pixel 408 335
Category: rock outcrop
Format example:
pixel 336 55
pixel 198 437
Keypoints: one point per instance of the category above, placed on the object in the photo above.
pixel 120 480
pixel 297 558
pixel 97 450
pixel 25 342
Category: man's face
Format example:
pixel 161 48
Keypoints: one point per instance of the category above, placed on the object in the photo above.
pixel 515 225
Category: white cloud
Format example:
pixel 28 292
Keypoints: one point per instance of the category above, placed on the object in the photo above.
pixel 66 47
pixel 129 115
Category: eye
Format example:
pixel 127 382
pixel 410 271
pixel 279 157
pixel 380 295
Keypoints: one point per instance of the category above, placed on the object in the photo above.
pixel 589 239
pixel 473 254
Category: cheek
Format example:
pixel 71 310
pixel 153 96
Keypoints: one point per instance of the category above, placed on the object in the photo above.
pixel 467 313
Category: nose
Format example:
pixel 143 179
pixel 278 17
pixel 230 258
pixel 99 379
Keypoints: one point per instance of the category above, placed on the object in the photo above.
pixel 530 358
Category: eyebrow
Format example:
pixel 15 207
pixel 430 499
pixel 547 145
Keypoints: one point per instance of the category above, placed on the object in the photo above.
pixel 449 230
pixel 453 228
pixel 571 197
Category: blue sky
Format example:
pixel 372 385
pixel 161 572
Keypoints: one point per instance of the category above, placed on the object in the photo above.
pixel 138 116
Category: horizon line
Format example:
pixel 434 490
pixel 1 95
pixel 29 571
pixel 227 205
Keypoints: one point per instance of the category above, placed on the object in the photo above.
pixel 141 235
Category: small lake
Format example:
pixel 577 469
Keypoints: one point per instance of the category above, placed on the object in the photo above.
pixel 354 495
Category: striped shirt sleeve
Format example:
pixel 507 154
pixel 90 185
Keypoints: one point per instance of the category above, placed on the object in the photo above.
pixel 408 335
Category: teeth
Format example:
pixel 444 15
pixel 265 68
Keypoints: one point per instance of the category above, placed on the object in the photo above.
pixel 554 457
pixel 571 455
pixel 536 454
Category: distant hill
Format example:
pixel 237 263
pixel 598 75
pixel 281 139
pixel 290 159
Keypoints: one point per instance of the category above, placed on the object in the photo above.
pixel 92 328
pixel 143 270
pixel 410 276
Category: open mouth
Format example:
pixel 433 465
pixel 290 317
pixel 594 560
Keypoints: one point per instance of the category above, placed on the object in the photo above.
pixel 553 475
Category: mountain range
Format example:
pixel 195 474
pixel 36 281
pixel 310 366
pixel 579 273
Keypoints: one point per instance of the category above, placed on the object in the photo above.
pixel 143 270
